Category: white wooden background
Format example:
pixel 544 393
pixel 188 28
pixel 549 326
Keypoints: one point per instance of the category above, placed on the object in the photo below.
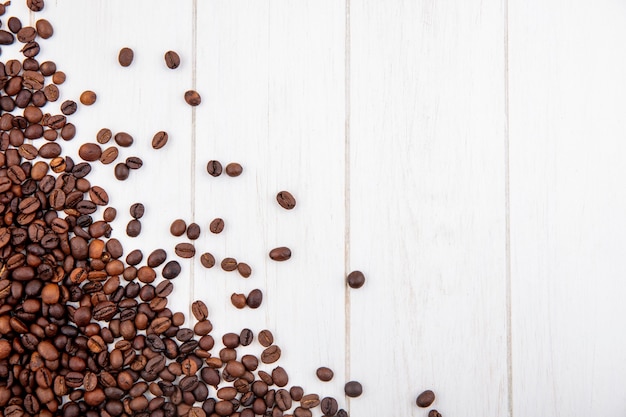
pixel 467 155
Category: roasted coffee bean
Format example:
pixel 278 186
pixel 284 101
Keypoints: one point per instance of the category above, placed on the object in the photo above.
pixel 202 328
pixel 266 338
pixel 244 269
pixel 125 57
pixel 279 376
pixel 172 60
pixel 14 24
pixel 68 107
pixel 35 5
pixel 137 210
pixel 207 260
pixel 121 172
pixel 296 392
pixel 133 162
pixel 123 139
pixel 216 226
pixel 425 399
pixel 90 152
pixel 270 354
pixel 434 413
pixel 6 38
pixel 109 155
pixel 193 231
pixel 44 28
pixel 133 228
pixel 286 200
pixel 178 227
pixel 159 140
pixel 238 300
pixel 58 77
pixel 254 298
pixel 171 270
pixel 324 373
pixel 192 98
pixel 229 264
pixel 88 97
pixel 234 169
pixel 104 135
pixel 246 337
pixel 214 168
pixel 353 389
pixel 199 310
pixel 310 401
pixel 280 254
pixel 156 258
pixel 185 250
pixel 329 406
pixel 355 279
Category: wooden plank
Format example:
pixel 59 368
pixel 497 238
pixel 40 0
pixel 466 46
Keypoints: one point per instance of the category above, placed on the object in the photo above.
pixel 567 206
pixel 427 207
pixel 272 85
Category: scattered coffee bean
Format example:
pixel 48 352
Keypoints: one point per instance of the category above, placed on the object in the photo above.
pixel 185 250
pixel 208 261
pixel 324 374
pixel 104 135
pixel 425 399
pixel 270 354
pixel 133 162
pixel 434 413
pixel 172 60
pixel 353 389
pixel 193 231
pixel 68 107
pixel 133 228
pixel 280 254
pixel 58 77
pixel 121 171
pixel 199 310
pixel 44 28
pixel 109 155
pixel 216 226
pixel 244 269
pixel 238 300
pixel 88 97
pixel 266 338
pixel 192 98
pixel 90 152
pixel 229 264
pixel 35 5
pixel 286 200
pixel 214 168
pixel 159 139
pixel 123 139
pixel 137 210
pixel 178 227
pixel 125 57
pixel 234 169
pixel 329 406
pixel 254 298
pixel 356 279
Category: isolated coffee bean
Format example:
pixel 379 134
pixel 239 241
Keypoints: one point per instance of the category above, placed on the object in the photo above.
pixel 208 261
pixel 244 269
pixel 279 376
pixel 137 210
pixel 68 107
pixel 193 231
pixel 14 24
pixel 133 228
pixel 324 373
pixel 192 98
pixel 216 226
pixel 266 338
pixel 123 139
pixel 172 60
pixel 214 168
pixel 159 139
pixel 234 169
pixel 280 254
pixel 356 279
pixel 425 399
pixel 125 57
pixel 229 264
pixel 353 389
pixel 88 97
pixel 238 300
pixel 178 227
pixel 104 135
pixel 286 200
pixel 121 172
pixel 185 250
pixel 133 162
pixel 44 28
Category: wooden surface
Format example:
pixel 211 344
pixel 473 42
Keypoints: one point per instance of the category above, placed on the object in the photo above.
pixel 467 156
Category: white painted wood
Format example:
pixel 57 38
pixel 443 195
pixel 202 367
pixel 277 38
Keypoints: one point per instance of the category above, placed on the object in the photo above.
pixel 427 207
pixel 567 65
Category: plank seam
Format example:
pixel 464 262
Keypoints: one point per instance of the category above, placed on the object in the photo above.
pixel 194 50
pixel 347 192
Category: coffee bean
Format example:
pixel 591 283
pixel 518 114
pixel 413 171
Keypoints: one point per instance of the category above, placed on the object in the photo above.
pixel 104 135
pixel 356 279
pixel 329 406
pixel 171 270
pixel 238 300
pixel 244 269
pixel 425 399
pixel 14 24
pixel 324 373
pixel 310 401
pixel 193 231
pixel 88 97
pixel 192 98
pixel 123 139
pixel 214 168
pixel 279 376
pixel 156 258
pixel 133 162
pixel 6 38
pixel 266 338
pixel 199 310
pixel 172 60
pixel 270 354
pixel 133 228
pixel 35 5
pixel 280 254
pixel 434 413
pixel 109 155
pixel 159 140
pixel 216 226
pixel 234 169
pixel 44 28
pixel 90 152
pixel 125 57
pixel 229 264
pixel 208 261
pixel 137 210
pixel 286 200
pixel 68 107
pixel 121 172
pixel 58 77
pixel 353 389
pixel 178 227
pixel 185 250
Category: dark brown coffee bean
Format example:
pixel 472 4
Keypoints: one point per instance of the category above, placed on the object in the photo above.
pixel 172 60
pixel 202 328
pixel 238 300
pixel 254 298
pixel 324 373
pixel 68 107
pixel 266 338
pixel 192 98
pixel 279 376
pixel 133 228
pixel 193 231
pixel 121 171
pixel 310 401
pixel 6 38
pixel 14 24
pixel 35 5
pixel 133 162
pixel 125 57
pixel 234 169
pixel 137 210
pixel 356 279
pixel 58 77
pixel 353 389
pixel 44 28
pixel 171 270
pixel 51 92
pixel 296 392
pixel 270 354
pixel 286 200
pixel 90 152
pixel 104 135
pixel 109 155
pixel 329 406
pixel 199 310
pixel 123 139
pixel 156 258
pixel 159 140
pixel 425 399
pixel 88 97
pixel 178 227
pixel 229 264
pixel 207 260
pixel 214 168
pixel 26 34
pixel 280 254
pixel 244 269
pixel 216 226
pixel 99 196
pixel 185 250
